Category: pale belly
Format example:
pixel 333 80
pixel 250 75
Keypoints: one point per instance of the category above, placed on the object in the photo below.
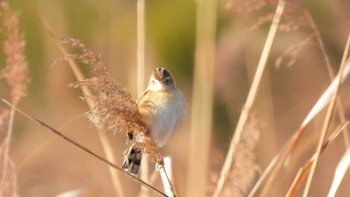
pixel 162 114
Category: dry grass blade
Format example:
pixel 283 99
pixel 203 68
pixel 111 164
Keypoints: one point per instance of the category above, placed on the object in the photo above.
pixel 140 53
pixel 300 177
pixel 330 70
pixel 327 119
pixel 114 166
pixel 319 41
pixel 251 97
pixel 107 147
pixel 340 172
pixel 278 160
pixel 326 96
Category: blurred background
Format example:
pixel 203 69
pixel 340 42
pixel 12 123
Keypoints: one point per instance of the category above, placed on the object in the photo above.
pixel 295 77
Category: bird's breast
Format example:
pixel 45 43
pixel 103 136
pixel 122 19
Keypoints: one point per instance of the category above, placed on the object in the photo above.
pixel 162 111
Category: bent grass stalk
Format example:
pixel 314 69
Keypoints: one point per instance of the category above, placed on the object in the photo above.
pixel 251 97
pixel 327 121
pixel 329 66
pixel 299 178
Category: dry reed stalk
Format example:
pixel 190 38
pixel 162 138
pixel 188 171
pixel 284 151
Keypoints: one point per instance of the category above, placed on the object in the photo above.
pixel 344 163
pixel 166 176
pixel 251 97
pixel 340 172
pixel 106 145
pixel 167 179
pixel 330 71
pixel 141 67
pixel 327 121
pixel 279 159
pixel 16 75
pixel 202 99
pixel 8 188
pixel 141 31
pixel 60 134
pixel 299 178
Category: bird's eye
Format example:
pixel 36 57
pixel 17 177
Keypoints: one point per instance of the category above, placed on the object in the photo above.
pixel 167 81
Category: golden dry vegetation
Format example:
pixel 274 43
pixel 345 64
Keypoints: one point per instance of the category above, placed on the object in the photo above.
pixel 263 118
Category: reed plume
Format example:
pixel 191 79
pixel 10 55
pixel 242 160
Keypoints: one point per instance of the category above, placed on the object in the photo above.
pixel 114 108
pixel 16 75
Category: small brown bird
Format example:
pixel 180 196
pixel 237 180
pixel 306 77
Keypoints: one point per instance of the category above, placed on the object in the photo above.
pixel 162 108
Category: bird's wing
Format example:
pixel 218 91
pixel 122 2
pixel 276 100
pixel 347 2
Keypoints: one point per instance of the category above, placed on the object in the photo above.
pixel 142 96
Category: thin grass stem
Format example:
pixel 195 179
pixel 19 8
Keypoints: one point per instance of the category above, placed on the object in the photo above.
pixel 326 125
pixel 85 149
pixel 7 144
pixel 166 178
pixel 251 97
pixel 299 178
pixel 329 66
pixel 107 147
pixel 140 53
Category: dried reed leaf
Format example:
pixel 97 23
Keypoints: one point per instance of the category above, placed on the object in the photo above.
pixel 302 173
pixel 281 157
pixel 327 120
pixel 327 95
pixel 251 97
pixel 340 172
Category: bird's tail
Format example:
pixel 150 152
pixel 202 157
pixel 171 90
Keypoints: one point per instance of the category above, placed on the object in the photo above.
pixel 133 159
